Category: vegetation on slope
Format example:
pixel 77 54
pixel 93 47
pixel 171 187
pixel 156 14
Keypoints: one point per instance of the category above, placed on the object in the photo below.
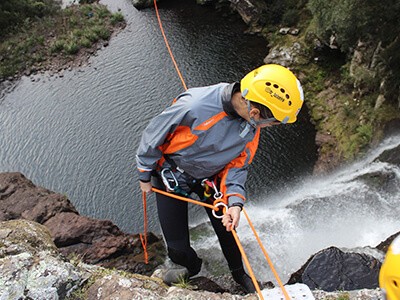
pixel 38 35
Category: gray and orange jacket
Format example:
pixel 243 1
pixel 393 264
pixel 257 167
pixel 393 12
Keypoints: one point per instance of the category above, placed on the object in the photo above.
pixel 204 136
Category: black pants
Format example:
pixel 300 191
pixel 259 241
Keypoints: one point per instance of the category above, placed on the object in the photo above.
pixel 173 216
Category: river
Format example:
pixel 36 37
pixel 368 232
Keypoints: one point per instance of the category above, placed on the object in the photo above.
pixel 77 134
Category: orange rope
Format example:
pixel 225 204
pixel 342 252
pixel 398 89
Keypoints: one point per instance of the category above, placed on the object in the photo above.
pixel 267 257
pixel 184 199
pixel 143 237
pixel 246 262
pixel 245 259
pixel 167 44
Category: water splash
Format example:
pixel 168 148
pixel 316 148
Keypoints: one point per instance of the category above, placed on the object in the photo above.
pixel 342 210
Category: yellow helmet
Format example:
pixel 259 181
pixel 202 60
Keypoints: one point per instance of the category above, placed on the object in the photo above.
pixel 275 87
pixel 389 275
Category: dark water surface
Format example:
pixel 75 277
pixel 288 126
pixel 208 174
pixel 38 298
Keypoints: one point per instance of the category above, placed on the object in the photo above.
pixel 77 135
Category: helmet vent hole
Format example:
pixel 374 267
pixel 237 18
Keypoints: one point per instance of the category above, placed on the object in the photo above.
pixel 282 91
pixel 395 283
pixel 290 103
pixel 287 96
pixel 276 86
pixel 268 83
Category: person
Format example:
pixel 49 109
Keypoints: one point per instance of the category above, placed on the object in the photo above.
pixel 211 134
pixel 389 274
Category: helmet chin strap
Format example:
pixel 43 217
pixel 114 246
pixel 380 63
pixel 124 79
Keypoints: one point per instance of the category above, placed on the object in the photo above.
pixel 252 122
pixel 255 123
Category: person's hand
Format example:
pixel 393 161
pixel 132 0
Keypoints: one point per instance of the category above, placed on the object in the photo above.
pixel 145 186
pixel 231 218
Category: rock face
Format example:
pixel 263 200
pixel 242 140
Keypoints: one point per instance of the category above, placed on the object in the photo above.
pixel 332 270
pixel 96 241
pixel 30 267
pixel 140 4
pixel 251 11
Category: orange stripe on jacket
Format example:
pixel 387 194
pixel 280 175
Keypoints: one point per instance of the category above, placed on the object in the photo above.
pixel 238 162
pixel 180 139
pixel 211 121
pixel 183 137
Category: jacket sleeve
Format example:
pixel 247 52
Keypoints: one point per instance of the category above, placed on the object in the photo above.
pixel 234 175
pixel 156 133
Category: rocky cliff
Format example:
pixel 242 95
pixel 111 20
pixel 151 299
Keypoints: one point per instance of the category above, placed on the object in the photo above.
pixel 49 251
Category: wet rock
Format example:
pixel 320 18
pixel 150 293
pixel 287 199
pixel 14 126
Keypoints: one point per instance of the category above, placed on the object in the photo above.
pixel 383 246
pixel 140 4
pixel 384 180
pixel 391 156
pixel 392 127
pixel 332 270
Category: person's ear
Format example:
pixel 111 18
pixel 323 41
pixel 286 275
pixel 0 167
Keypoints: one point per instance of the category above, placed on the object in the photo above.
pixel 254 112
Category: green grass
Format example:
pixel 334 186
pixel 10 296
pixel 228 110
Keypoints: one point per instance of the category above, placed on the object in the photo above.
pixel 61 35
pixel 184 283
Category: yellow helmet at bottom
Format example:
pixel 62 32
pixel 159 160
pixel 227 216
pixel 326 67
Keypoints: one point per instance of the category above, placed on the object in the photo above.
pixel 389 275
pixel 275 87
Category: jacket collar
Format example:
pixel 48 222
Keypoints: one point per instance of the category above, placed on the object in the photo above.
pixel 227 93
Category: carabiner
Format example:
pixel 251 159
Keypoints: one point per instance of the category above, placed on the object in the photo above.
pixel 219 204
pixel 217 195
pixel 209 183
pixel 167 181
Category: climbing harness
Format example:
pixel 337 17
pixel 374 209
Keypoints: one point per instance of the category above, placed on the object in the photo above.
pixel 218 201
pixel 171 183
pixel 173 190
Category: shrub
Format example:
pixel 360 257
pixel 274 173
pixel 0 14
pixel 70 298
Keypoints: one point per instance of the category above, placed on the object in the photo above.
pixel 91 35
pixel 71 47
pixel 352 20
pixel 85 43
pixel 57 46
pixel 14 12
pixel 116 18
pixel 101 32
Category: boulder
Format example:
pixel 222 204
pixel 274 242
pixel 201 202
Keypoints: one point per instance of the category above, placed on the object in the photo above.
pixel 20 198
pixel 284 56
pixel 332 269
pixel 384 246
pixel 391 156
pixel 251 11
pixel 140 4
pixel 30 265
pixel 95 241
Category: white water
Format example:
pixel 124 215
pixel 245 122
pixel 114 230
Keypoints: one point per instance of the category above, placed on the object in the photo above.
pixel 336 210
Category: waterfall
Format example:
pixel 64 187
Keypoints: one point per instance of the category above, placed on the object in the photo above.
pixel 356 206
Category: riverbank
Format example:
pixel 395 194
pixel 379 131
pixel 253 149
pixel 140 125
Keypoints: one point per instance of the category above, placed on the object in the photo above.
pixel 63 39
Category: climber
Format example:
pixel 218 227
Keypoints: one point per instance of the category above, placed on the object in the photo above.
pixel 205 141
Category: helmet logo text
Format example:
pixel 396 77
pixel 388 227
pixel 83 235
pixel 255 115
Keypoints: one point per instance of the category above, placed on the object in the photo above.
pixel 278 97
pixel 275 95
